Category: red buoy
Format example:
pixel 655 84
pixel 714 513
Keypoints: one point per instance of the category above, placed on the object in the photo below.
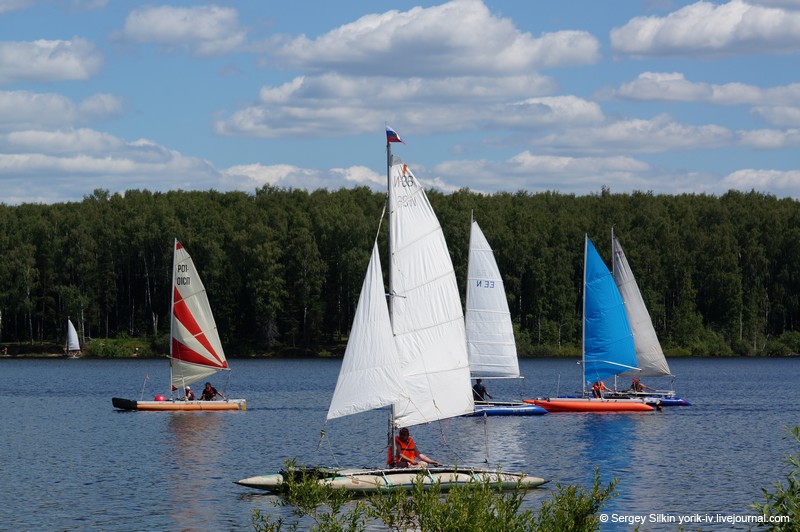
pixel 159 398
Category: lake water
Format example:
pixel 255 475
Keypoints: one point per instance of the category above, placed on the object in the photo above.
pixel 69 461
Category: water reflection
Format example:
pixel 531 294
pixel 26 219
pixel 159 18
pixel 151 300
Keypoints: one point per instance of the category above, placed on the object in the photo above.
pixel 194 445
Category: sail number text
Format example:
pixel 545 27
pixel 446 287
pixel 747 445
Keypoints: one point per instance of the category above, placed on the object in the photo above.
pixel 484 283
pixel 182 280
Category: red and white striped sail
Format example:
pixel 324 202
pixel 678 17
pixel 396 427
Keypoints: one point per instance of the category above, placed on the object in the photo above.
pixel 196 351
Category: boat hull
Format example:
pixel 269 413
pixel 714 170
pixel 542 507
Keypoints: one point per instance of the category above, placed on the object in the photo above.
pixel 182 406
pixel 578 404
pixel 375 480
pixel 507 409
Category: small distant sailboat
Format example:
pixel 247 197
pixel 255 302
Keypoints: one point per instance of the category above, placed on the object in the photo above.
pixel 409 355
pixel 195 349
pixel 490 335
pixel 649 355
pixel 73 347
pixel 608 347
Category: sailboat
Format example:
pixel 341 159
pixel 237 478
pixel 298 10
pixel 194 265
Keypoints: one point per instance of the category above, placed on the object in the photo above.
pixel 195 348
pixel 408 354
pixel 491 346
pixel 649 355
pixel 73 347
pixel 608 347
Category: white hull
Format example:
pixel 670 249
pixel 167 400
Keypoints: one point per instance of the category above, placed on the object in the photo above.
pixel 372 480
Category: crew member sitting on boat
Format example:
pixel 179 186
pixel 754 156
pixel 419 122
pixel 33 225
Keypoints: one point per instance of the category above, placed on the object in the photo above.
pixel 638 386
pixel 210 393
pixel 598 388
pixel 406 452
pixel 479 392
pixel 189 394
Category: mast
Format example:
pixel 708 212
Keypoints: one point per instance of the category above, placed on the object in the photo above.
pixel 583 329
pixel 172 311
pixel 391 287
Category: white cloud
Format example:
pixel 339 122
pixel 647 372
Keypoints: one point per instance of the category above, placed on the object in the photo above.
pixel 203 31
pixel 736 27
pixel 770 139
pixel 779 182
pixel 63 164
pixel 47 61
pixel 457 38
pixel 309 105
pixel 659 134
pixel 7 6
pixel 779 115
pixel 253 176
pixel 29 110
pixel 673 86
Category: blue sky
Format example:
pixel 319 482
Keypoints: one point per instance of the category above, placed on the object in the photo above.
pixel 494 95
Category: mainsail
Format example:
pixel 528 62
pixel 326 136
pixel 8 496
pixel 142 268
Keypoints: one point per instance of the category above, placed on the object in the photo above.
pixel 72 338
pixel 195 351
pixel 490 335
pixel 649 355
pixel 608 348
pixel 427 319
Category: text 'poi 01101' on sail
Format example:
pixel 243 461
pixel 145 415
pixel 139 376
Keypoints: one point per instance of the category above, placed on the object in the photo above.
pixel 408 354
pixel 608 347
pixel 195 349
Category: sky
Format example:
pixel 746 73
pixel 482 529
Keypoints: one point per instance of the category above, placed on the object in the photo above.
pixel 661 96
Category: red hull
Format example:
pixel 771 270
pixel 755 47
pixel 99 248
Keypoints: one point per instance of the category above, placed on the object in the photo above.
pixel 569 404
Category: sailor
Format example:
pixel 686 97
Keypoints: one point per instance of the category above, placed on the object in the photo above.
pixel 189 394
pixel 406 452
pixel 479 392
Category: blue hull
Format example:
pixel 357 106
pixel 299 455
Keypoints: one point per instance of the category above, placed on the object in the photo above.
pixel 670 401
pixel 501 410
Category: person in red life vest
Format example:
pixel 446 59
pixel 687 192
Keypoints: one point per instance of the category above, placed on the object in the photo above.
pixel 406 452
pixel 598 388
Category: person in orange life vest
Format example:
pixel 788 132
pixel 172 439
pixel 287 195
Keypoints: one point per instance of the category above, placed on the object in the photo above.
pixel 406 452
pixel 598 388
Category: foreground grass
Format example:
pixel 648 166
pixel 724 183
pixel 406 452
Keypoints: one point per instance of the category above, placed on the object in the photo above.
pixel 478 506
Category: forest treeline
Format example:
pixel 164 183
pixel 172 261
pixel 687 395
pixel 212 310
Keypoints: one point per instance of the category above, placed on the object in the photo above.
pixel 283 268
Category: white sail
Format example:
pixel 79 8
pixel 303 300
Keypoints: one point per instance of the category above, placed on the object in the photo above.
pixel 490 335
pixel 649 354
pixel 72 338
pixel 196 351
pixel 427 319
pixel 370 376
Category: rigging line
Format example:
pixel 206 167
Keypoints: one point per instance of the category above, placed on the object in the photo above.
pixel 486 436
pixel 323 435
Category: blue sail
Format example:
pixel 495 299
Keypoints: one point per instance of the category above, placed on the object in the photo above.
pixel 608 347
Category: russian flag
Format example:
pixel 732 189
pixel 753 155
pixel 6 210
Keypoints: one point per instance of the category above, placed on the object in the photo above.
pixel 392 136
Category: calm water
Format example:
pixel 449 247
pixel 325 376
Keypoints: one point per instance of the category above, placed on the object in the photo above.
pixel 69 461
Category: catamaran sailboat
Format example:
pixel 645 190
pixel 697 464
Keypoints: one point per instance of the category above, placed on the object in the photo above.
pixel 195 350
pixel 73 348
pixel 649 355
pixel 409 355
pixel 490 336
pixel 608 347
